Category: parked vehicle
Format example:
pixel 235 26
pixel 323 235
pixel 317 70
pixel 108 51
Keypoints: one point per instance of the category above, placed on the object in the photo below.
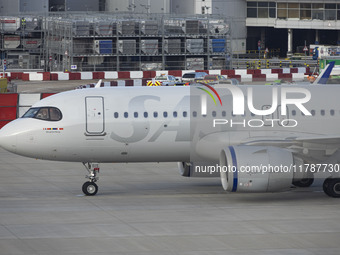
pixel 192 76
pixel 163 80
pixel 212 78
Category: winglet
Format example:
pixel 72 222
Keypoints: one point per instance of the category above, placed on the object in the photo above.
pixel 324 75
pixel 98 84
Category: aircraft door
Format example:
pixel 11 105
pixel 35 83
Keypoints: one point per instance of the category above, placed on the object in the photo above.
pixel 95 115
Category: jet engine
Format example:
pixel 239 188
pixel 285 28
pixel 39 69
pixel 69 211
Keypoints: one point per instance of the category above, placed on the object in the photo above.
pixel 257 168
pixel 199 169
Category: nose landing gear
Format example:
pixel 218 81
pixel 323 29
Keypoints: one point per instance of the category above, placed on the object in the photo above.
pixel 90 188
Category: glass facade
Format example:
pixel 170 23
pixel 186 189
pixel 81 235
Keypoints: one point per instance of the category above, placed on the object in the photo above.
pixel 261 9
pixel 302 11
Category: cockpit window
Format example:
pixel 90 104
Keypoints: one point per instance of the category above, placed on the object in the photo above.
pixel 31 113
pixel 55 114
pixel 44 113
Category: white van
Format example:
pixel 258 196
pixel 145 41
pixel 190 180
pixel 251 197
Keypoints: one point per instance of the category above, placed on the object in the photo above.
pixel 188 77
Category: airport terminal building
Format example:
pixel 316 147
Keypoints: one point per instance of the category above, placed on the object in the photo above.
pixel 152 34
pixel 290 25
pixel 285 25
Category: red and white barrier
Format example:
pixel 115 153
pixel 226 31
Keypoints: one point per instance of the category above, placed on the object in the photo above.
pixel 111 75
pixel 243 75
pixel 8 108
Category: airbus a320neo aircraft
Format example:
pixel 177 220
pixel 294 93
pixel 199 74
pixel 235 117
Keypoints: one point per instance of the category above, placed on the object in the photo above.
pixel 256 138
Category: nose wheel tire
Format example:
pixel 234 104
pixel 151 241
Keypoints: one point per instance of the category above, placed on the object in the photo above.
pixel 90 188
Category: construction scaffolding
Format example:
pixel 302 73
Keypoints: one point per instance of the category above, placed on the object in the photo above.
pixel 22 42
pixel 122 42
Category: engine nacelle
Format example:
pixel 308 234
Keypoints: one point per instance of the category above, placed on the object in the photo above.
pixel 256 169
pixel 199 169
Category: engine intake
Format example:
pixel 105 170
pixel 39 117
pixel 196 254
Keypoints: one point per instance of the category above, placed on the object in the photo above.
pixel 256 169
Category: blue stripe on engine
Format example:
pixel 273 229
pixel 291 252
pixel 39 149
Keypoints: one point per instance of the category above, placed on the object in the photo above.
pixel 235 174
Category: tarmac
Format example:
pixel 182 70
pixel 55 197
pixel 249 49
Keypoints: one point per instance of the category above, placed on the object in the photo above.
pixel 150 209
pixel 20 86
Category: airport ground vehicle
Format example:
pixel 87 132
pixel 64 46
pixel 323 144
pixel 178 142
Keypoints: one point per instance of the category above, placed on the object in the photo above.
pixel 163 80
pixel 189 77
pixel 212 78
pixel 322 51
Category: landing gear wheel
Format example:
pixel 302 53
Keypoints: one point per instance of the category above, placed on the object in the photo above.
pixel 305 182
pixel 90 188
pixel 332 187
pixel 326 184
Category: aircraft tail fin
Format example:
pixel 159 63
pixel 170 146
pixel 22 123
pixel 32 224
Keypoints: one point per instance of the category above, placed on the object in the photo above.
pixel 324 75
pixel 98 84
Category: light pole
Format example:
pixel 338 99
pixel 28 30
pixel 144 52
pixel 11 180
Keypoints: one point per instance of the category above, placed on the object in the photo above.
pixel 206 9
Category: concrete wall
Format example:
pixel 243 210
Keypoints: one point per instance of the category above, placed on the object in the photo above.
pixel 40 6
pixel 9 7
pixel 33 5
pixel 82 5
pixel 138 6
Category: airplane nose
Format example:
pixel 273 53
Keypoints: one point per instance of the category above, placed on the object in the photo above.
pixel 8 139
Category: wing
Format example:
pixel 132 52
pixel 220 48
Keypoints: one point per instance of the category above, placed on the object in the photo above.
pixel 312 148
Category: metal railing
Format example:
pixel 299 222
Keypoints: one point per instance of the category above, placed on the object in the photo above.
pixel 242 63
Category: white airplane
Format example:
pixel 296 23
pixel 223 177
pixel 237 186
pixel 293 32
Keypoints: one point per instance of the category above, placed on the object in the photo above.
pixel 324 75
pixel 256 138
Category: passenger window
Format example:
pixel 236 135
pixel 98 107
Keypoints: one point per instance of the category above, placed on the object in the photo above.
pixel 146 114
pixel 293 112
pixel 165 114
pixel 116 115
pixel 126 114
pixel 322 112
pixel 214 113
pixel 135 114
pixel 155 114
pixel 185 114
pixel 313 112
pixel 224 113
pixel 175 114
pixel 332 112
pixel 194 114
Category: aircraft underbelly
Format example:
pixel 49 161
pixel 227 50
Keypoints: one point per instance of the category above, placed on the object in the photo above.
pixel 104 149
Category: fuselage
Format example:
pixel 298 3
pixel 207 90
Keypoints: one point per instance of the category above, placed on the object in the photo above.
pixel 155 124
